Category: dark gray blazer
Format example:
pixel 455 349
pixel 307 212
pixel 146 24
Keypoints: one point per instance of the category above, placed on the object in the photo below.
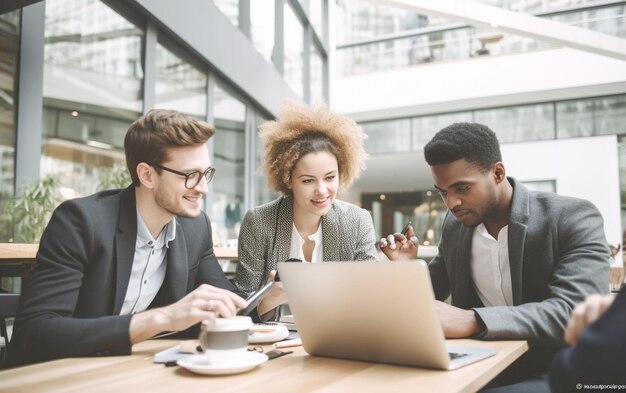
pixel 71 303
pixel 265 238
pixel 558 255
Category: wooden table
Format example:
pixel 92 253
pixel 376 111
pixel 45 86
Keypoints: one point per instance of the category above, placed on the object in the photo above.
pixel 17 259
pixel 297 372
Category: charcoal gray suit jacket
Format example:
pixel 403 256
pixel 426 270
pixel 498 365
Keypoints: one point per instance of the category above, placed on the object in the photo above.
pixel 71 302
pixel 558 255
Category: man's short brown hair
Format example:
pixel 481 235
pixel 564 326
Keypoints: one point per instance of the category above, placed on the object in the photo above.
pixel 148 138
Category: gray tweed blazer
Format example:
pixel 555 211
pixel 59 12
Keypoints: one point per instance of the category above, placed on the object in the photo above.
pixel 265 238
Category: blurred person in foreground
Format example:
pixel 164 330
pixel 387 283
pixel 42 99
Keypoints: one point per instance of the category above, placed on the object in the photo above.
pixel 596 334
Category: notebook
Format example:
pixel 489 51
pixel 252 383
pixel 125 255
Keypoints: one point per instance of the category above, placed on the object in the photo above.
pixel 373 311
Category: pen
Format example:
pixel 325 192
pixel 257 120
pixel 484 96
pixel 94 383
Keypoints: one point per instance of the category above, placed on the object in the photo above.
pixel 296 342
pixel 406 228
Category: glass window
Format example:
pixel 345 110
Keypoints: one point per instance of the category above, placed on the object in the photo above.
pixel 230 8
pixel 294 51
pixel 179 85
pixel 9 42
pixel 519 123
pixel 229 162
pixel 92 91
pixel 574 118
pixel 389 136
pixel 316 16
pixel 425 127
pixel 264 192
pixel 609 115
pixel 262 26
pixel 317 75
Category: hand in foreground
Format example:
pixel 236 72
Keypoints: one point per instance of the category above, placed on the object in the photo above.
pixel 616 276
pixel 273 299
pixel 398 247
pixel 584 314
pixel 204 303
pixel 457 322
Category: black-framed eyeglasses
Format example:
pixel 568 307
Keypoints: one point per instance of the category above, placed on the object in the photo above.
pixel 191 178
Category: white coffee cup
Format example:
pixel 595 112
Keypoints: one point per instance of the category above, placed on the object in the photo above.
pixel 225 340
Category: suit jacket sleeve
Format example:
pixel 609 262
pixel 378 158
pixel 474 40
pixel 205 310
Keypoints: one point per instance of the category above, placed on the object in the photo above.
pixel 251 274
pixel 580 268
pixel 600 355
pixel 45 327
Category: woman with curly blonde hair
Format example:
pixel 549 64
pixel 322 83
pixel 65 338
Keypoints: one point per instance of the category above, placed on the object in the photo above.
pixel 310 154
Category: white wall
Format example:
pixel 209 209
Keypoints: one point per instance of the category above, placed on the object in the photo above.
pixel 489 81
pixel 582 167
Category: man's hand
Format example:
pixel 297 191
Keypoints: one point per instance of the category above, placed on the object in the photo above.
pixel 204 303
pixel 456 322
pixel 275 298
pixel 398 248
pixel 584 314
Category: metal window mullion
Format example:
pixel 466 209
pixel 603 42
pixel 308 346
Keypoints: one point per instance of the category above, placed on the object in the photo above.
pixel 210 118
pixel 149 66
pixel 29 118
pixel 244 18
pixel 249 146
pixel 306 63
pixel 278 56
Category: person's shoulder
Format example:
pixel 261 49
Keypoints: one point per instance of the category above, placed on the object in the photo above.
pixel 553 201
pixel 349 209
pixel 269 209
pixel 98 201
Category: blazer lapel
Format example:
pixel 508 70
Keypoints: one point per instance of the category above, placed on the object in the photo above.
pixel 125 239
pixel 330 236
pixel 462 287
pixel 282 235
pixel 517 237
pixel 177 277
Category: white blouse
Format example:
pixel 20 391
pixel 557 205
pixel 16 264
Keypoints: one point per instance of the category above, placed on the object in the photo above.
pixel 297 242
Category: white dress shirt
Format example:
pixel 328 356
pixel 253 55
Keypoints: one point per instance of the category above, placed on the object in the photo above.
pixel 490 268
pixel 149 266
pixel 297 242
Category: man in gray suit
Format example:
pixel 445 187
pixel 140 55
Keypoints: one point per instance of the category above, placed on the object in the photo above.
pixel 514 261
pixel 121 266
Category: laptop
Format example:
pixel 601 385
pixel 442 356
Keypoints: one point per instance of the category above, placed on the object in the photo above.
pixel 373 311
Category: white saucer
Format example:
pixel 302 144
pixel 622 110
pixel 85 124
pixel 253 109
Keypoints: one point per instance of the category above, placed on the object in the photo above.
pixel 200 365
pixel 274 334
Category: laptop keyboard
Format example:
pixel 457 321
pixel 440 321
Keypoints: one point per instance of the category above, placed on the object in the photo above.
pixel 454 355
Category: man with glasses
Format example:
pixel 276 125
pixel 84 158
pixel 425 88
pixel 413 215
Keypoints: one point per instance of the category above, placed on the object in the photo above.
pixel 122 266
pixel 514 261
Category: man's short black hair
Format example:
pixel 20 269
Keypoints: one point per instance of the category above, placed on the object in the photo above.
pixel 474 142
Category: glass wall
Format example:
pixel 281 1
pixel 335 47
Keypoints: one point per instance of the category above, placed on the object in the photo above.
pixel 262 26
pixel 294 50
pixel 179 84
pixel 227 206
pixel 92 91
pixel 522 123
pixel 388 136
pixel 9 53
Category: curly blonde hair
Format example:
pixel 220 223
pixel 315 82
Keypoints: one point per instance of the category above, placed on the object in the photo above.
pixel 300 130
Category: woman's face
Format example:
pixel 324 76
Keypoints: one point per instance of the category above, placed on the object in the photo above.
pixel 315 182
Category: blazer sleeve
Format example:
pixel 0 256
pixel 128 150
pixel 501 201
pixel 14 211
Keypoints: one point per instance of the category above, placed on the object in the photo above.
pixel 251 274
pixel 600 355
pixel 365 248
pixel 45 327
pixel 581 265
